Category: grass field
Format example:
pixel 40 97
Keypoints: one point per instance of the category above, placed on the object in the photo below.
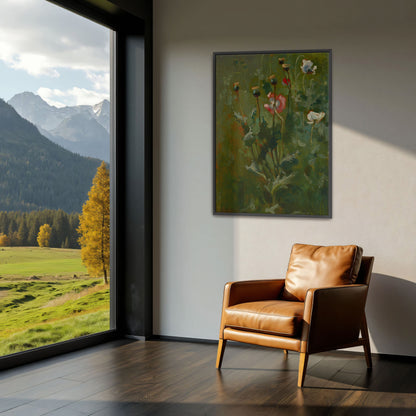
pixel 35 261
pixel 41 302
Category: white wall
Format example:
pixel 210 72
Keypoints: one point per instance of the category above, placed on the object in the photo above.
pixel 374 157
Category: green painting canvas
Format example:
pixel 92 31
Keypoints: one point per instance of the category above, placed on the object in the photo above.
pixel 273 133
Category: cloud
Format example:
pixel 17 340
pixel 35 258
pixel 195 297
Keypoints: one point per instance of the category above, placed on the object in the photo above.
pixel 33 64
pixel 72 96
pixel 100 81
pixel 41 38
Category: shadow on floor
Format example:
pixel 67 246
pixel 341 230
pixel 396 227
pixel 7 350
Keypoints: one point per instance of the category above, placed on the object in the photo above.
pixel 196 409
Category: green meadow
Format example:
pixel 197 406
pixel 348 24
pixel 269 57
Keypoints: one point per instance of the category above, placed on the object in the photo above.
pixel 46 297
pixel 36 261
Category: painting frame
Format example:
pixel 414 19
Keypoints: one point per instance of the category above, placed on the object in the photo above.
pixel 310 120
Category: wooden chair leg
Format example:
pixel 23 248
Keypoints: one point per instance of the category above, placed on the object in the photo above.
pixel 220 353
pixel 285 352
pixel 366 343
pixel 303 364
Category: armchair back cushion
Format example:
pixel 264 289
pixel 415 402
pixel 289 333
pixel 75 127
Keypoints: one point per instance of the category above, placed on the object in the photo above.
pixel 320 266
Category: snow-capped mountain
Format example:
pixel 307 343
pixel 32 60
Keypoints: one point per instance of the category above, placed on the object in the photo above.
pixel 82 129
pixel 102 113
pixel 83 135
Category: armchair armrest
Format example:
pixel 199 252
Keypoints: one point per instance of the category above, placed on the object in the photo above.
pixel 249 291
pixel 333 317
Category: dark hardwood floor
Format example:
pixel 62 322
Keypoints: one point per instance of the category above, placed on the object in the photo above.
pixel 179 378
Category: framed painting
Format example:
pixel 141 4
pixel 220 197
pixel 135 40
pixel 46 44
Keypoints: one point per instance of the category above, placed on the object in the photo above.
pixel 272 131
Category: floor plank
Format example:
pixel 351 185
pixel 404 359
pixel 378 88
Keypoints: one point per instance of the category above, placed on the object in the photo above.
pixel 179 378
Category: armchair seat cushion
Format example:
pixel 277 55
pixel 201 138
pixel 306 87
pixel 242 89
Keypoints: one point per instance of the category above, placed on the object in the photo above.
pixel 278 317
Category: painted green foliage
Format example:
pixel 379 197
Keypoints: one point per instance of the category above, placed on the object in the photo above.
pixel 272 133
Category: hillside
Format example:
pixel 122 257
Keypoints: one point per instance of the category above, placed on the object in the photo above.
pixel 36 173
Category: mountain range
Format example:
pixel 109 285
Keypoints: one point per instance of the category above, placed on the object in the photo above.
pixel 82 129
pixel 36 173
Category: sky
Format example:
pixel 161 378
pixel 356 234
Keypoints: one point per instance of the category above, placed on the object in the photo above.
pixel 53 53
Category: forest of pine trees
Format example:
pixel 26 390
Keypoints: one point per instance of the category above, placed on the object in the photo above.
pixel 22 228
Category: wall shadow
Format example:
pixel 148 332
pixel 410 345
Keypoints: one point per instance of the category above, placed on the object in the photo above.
pixel 391 310
pixel 373 62
pixel 363 99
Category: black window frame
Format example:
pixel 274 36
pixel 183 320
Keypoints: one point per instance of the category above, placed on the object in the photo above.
pixel 131 297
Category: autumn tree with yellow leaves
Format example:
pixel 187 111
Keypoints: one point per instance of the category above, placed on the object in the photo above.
pixel 44 235
pixel 94 226
pixel 4 240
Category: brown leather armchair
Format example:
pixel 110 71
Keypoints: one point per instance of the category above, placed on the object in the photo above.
pixel 318 307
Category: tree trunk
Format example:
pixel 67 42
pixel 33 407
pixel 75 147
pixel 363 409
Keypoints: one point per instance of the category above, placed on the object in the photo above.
pixel 102 248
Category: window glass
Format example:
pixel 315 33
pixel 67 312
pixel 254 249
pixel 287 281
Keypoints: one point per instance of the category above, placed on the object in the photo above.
pixel 54 175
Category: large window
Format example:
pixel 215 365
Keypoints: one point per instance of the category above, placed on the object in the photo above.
pixel 54 176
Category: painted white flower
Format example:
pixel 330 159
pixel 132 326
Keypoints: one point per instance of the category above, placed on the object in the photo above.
pixel 308 67
pixel 314 118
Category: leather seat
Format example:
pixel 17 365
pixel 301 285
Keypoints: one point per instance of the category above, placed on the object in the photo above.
pixel 277 317
pixel 319 306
